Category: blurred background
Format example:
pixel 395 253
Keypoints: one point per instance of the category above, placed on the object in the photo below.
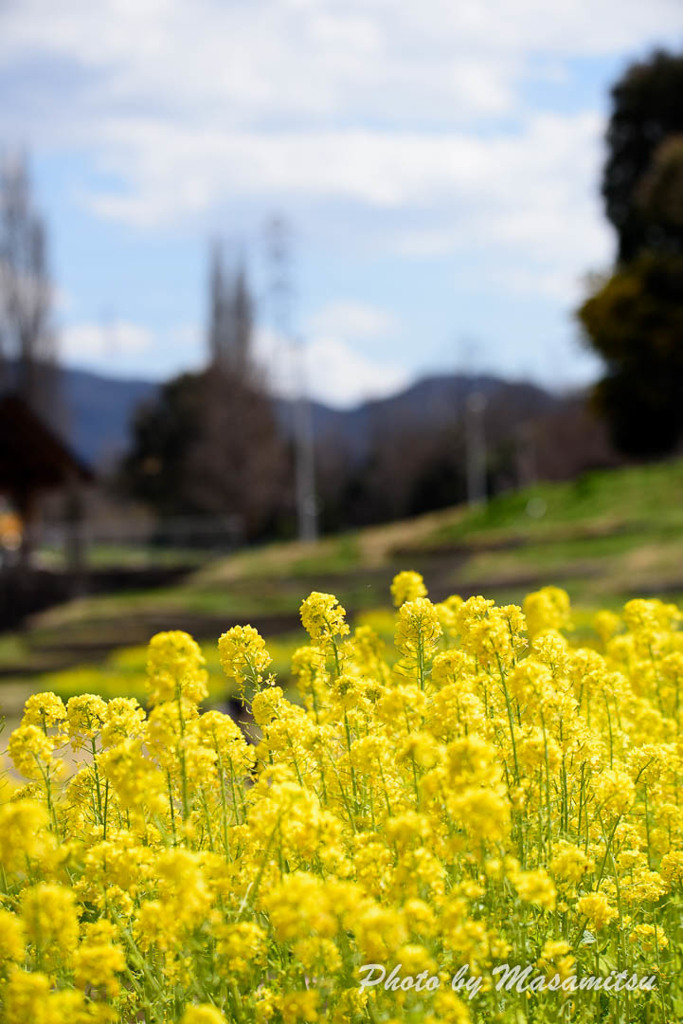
pixel 298 293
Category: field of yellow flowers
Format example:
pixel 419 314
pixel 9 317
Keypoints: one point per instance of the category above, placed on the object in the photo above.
pixel 487 828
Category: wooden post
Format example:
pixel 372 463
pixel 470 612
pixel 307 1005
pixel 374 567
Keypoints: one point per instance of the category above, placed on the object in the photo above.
pixel 24 499
pixel 75 540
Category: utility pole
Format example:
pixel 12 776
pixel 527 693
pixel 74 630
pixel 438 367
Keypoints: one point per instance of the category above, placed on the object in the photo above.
pixel 306 502
pixel 279 254
pixel 475 444
pixel 475 435
pixel 527 472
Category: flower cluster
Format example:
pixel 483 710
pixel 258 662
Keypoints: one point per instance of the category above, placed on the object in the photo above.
pixel 490 794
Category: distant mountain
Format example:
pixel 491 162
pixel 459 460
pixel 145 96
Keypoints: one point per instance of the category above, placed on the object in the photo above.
pixel 94 412
pixel 101 410
pixel 430 403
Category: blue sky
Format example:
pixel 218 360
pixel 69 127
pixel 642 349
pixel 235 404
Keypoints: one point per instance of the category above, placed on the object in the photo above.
pixel 439 164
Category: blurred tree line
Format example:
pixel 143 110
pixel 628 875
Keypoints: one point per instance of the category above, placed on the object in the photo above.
pixel 215 442
pixel 416 465
pixel 634 318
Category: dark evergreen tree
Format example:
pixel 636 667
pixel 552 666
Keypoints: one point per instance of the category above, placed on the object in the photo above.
pixel 634 320
pixel 647 111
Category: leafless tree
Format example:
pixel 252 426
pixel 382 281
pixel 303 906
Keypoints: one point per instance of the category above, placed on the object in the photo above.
pixel 230 317
pixel 27 342
pixel 237 465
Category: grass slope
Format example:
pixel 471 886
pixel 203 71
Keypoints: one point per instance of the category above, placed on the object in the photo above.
pixel 604 537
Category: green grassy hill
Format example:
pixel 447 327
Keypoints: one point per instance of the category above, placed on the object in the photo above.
pixel 604 537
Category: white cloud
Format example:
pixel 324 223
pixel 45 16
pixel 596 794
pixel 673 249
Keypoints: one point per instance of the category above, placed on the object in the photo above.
pixel 422 128
pixel 329 369
pixel 121 348
pixel 233 63
pixel 555 284
pixel 353 320
pixel 180 171
pixel 89 343
pixel 527 197
pixel 145 69
pixel 392 109
pixel 342 376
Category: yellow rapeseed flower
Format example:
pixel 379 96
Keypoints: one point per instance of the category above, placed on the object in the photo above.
pixel 407 586
pixel 480 795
